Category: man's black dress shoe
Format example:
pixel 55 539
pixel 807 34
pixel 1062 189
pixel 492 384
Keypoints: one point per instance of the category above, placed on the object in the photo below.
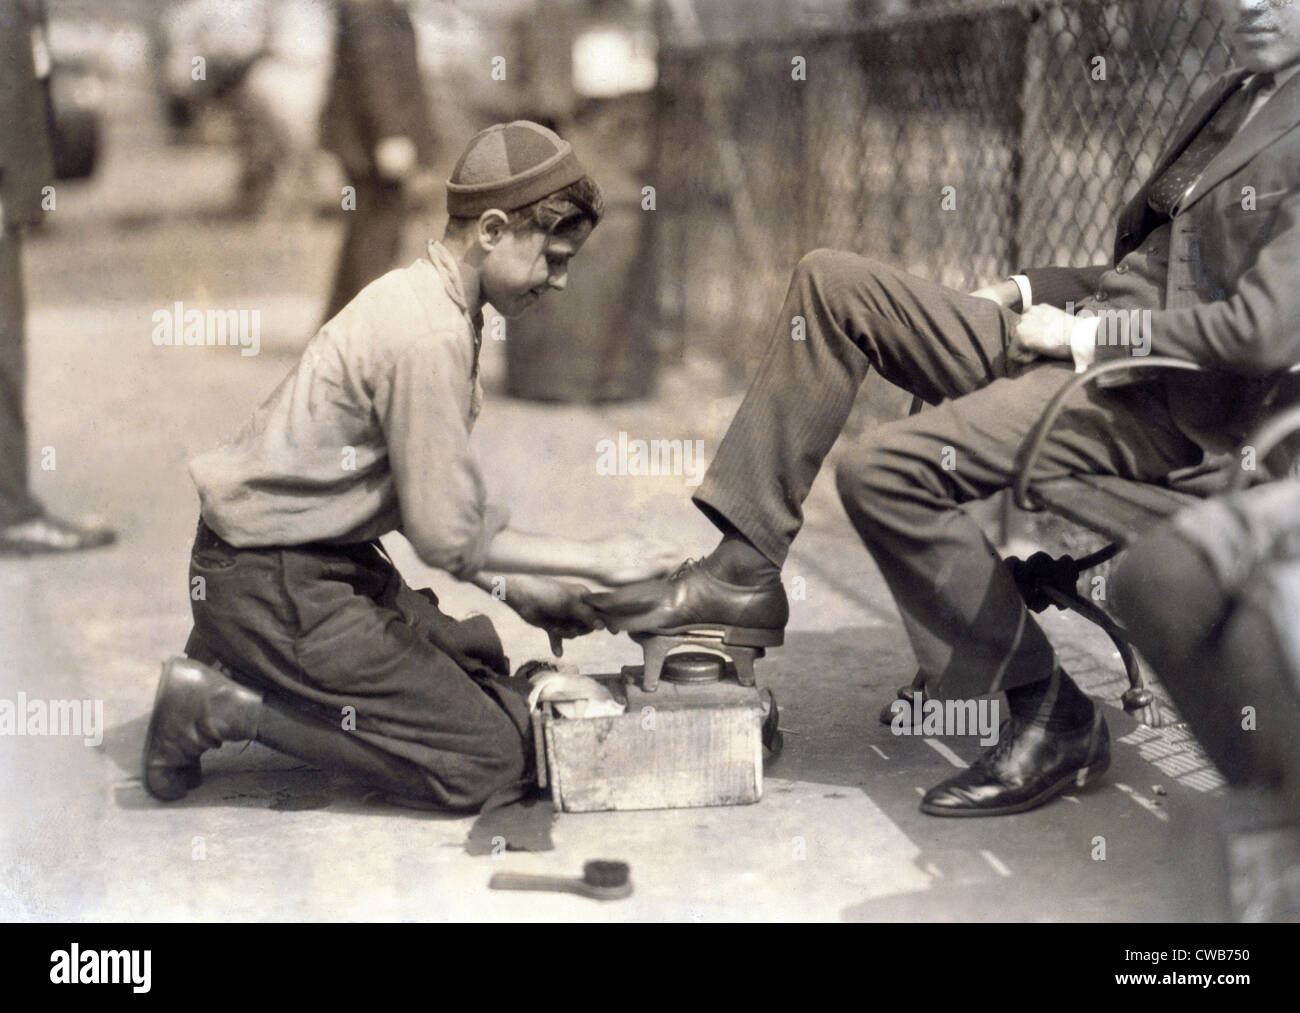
pixel 692 599
pixel 46 533
pixel 1028 766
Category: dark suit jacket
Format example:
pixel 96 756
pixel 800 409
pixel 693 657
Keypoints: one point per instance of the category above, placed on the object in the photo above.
pixel 1232 296
pixel 25 156
pixel 376 91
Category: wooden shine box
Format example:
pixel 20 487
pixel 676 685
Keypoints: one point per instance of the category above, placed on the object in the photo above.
pixel 684 745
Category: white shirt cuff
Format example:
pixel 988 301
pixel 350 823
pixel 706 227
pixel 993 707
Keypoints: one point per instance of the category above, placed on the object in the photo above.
pixel 1026 291
pixel 1083 342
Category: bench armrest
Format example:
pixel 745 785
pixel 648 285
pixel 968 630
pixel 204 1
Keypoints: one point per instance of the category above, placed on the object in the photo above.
pixel 1266 438
pixel 1032 448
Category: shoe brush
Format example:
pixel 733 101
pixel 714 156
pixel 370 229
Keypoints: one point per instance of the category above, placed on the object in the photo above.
pixel 600 881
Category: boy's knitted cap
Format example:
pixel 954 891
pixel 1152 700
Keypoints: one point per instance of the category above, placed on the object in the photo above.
pixel 509 165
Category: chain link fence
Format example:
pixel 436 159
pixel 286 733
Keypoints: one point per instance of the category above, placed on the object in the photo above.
pixel 1042 117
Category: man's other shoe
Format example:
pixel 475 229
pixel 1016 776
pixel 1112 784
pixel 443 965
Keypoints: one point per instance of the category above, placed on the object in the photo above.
pixel 1027 767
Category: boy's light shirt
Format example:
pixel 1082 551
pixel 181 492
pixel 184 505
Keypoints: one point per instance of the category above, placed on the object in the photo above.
pixel 369 433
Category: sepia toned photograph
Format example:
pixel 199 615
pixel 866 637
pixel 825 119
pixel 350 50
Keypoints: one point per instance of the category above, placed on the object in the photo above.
pixel 650 461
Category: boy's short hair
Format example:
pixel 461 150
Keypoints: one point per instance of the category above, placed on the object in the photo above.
pixel 555 214
pixel 527 171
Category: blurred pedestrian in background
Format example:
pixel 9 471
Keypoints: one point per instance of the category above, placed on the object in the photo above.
pixel 266 63
pixel 281 100
pixel 210 47
pixel 26 168
pixel 376 120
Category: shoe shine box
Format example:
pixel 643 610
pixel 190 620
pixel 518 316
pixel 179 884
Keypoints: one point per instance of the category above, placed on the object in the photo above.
pixel 697 740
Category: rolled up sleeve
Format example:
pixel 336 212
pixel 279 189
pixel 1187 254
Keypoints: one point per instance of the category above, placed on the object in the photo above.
pixel 423 406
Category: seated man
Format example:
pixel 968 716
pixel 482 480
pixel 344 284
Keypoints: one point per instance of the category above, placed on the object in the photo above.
pixel 327 654
pixel 1217 273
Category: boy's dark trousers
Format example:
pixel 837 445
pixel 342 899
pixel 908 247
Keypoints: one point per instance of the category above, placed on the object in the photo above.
pixel 904 482
pixel 333 635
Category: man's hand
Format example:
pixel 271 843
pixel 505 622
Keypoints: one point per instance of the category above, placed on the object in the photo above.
pixel 1004 293
pixel 626 559
pixel 1042 333
pixel 555 606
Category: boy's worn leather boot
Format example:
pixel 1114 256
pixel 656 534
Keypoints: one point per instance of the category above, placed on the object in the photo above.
pixel 197 708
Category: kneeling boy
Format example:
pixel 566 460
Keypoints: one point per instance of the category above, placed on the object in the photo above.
pixel 306 638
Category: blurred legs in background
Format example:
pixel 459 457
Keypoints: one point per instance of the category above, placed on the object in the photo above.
pixel 25 528
pixel 370 245
pixel 16 503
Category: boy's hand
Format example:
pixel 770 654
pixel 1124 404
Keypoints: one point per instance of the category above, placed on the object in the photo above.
pixel 626 559
pixel 556 606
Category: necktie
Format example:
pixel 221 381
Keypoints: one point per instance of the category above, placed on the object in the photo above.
pixel 1174 182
